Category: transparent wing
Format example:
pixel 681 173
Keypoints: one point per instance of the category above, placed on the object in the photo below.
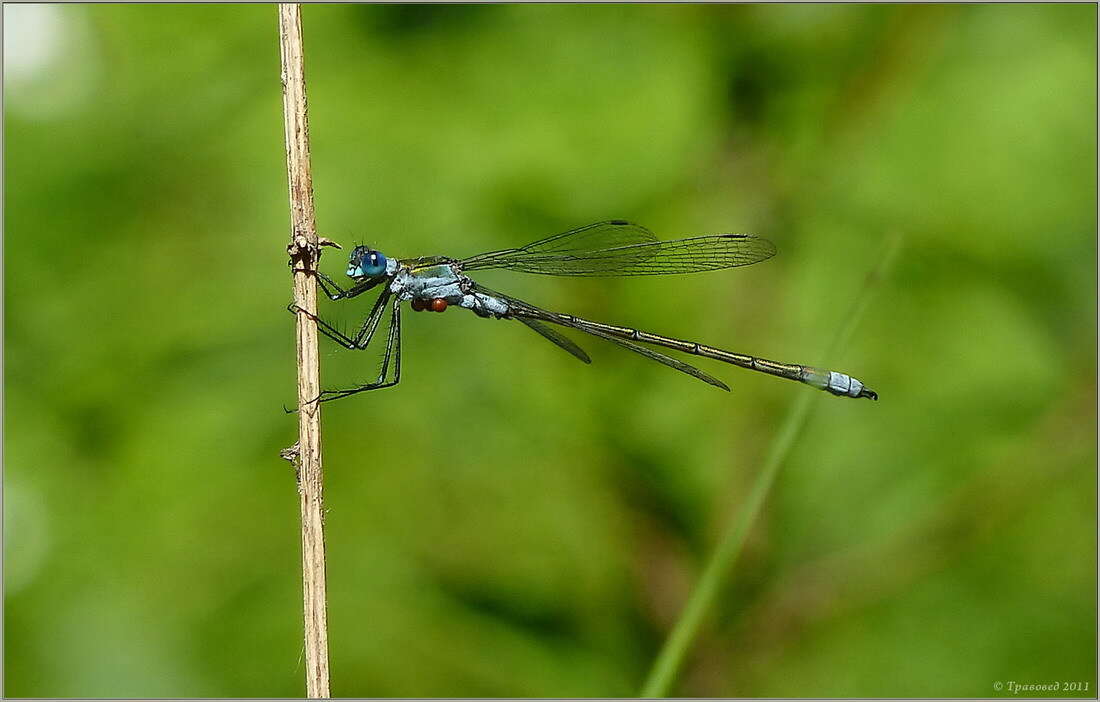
pixel 528 314
pixel 620 248
pixel 594 237
pixel 559 339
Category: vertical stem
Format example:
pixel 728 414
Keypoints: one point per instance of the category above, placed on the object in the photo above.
pixel 304 252
pixel 720 563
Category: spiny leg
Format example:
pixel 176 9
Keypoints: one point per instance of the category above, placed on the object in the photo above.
pixel 366 332
pixel 394 340
pixel 363 337
pixel 328 285
pixel 393 349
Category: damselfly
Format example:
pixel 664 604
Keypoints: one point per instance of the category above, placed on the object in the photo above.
pixel 613 248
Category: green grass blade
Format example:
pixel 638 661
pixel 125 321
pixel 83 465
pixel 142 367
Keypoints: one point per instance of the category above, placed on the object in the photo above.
pixel 718 567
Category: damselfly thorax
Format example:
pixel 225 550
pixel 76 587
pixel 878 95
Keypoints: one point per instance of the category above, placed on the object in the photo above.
pixel 440 285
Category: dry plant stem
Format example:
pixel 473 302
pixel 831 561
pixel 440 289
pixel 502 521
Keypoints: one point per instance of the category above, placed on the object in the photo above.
pixel 304 253
pixel 718 567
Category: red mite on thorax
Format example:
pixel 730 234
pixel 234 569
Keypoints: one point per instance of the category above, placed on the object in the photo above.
pixel 437 304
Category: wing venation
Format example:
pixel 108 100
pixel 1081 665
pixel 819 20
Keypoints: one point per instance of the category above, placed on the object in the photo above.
pixel 621 248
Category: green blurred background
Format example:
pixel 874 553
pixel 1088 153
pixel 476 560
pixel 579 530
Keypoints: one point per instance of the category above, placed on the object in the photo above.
pixel 509 521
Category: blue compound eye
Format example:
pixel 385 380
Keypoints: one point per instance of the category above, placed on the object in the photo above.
pixel 375 263
pixel 364 263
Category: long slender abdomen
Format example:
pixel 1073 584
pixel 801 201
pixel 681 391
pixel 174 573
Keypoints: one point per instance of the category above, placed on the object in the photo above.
pixel 840 384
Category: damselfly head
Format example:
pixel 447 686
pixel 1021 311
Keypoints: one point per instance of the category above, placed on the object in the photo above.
pixel 365 262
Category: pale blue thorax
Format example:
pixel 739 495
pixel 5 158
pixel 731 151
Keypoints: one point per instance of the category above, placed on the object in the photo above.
pixel 444 282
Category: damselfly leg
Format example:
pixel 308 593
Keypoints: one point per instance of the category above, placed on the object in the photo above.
pixel 335 292
pixel 366 332
pixel 361 341
pixel 393 351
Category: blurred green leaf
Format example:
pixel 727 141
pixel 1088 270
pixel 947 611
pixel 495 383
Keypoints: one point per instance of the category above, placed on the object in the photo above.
pixel 508 522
